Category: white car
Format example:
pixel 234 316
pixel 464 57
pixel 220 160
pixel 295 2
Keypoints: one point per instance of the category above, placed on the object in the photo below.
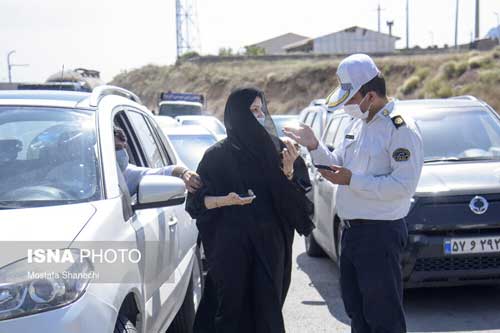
pixel 166 121
pixel 63 198
pixel 190 143
pixel 211 123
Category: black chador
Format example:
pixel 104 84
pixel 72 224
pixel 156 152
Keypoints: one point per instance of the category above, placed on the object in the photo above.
pixel 248 248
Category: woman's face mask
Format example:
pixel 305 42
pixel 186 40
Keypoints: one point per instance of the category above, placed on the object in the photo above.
pixel 122 159
pixel 256 109
pixel 354 110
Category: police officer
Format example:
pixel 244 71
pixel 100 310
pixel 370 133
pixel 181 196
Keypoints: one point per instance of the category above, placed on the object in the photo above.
pixel 377 166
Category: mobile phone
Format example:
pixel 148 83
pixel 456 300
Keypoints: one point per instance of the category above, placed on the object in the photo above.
pixel 322 167
pixel 249 195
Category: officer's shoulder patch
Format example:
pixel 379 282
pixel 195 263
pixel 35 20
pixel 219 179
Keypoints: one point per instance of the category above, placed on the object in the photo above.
pixel 398 121
pixel 401 155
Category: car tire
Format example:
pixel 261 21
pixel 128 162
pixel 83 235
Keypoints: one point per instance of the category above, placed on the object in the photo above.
pixel 312 247
pixel 124 325
pixel 184 320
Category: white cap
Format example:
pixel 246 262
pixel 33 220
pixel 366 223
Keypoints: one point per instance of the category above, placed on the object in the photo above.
pixel 353 72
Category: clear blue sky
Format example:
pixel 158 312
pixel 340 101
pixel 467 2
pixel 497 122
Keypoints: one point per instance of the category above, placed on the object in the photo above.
pixel 116 35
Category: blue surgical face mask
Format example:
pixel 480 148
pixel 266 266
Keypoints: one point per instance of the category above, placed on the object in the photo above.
pixel 261 120
pixel 122 159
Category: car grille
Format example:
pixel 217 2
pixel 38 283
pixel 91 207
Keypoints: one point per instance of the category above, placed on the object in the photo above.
pixel 457 263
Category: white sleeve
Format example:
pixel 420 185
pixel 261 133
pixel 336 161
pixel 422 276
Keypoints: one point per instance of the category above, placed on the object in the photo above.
pixel 325 157
pixel 166 171
pixel 407 159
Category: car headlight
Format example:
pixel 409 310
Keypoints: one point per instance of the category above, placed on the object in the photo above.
pixel 28 288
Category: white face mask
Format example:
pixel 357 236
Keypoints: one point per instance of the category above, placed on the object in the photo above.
pixel 122 159
pixel 261 120
pixel 354 110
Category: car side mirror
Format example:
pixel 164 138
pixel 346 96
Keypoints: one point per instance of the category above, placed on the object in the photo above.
pixel 160 191
pixel 330 148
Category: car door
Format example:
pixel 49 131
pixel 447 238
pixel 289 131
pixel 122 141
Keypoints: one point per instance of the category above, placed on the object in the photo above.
pixel 156 227
pixel 322 201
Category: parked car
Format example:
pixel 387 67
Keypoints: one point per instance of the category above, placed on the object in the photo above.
pixel 190 142
pixel 59 182
pixel 166 121
pixel 174 104
pixel 316 116
pixel 453 223
pixel 209 122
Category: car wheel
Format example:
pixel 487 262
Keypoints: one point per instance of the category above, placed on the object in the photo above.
pixel 124 325
pixel 312 247
pixel 184 320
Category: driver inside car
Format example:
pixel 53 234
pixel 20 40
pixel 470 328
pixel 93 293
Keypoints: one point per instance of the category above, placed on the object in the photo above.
pixel 133 173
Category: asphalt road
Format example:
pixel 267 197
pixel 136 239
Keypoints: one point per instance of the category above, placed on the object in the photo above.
pixel 314 303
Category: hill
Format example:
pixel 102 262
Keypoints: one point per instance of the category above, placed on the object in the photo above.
pixel 290 84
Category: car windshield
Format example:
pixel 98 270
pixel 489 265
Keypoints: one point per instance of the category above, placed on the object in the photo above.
pixel 174 110
pixel 282 122
pixel 459 134
pixel 208 123
pixel 48 156
pixel 191 148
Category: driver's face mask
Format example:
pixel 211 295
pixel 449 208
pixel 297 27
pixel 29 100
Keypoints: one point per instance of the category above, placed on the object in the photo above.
pixel 122 159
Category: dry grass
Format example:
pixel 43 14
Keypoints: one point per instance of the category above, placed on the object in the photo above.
pixel 291 84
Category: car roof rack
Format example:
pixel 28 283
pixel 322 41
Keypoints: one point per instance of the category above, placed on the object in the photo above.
pixel 465 97
pixel 101 91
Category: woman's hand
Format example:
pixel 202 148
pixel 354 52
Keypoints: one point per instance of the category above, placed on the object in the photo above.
pixel 233 199
pixel 290 154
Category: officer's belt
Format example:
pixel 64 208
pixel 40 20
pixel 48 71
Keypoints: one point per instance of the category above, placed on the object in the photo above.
pixel 356 222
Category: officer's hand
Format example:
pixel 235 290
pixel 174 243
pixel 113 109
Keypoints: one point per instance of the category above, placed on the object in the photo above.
pixel 192 181
pixel 304 135
pixel 233 199
pixel 338 175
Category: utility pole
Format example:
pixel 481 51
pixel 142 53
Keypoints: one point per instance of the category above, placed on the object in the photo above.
pixel 11 65
pixel 456 25
pixel 477 20
pixel 407 25
pixel 379 10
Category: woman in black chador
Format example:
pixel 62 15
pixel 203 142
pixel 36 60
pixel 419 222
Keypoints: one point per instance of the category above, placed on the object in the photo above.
pixel 252 200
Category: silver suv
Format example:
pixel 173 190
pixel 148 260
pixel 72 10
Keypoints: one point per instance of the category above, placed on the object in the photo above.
pixel 79 254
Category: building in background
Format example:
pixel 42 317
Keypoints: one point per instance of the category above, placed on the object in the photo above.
pixel 351 40
pixel 276 45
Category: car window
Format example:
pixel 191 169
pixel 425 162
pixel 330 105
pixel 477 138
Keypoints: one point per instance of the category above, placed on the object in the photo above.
pixel 310 118
pixel 316 125
pixel 458 133
pixel 147 140
pixel 339 137
pixel 332 130
pixel 191 148
pixel 48 156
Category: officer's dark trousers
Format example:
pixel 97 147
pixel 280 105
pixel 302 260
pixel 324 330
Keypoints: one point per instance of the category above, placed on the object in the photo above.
pixel 371 278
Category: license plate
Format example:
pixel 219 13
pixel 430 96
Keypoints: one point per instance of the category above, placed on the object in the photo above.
pixel 454 246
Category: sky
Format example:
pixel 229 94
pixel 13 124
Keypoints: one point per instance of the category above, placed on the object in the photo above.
pixel 118 35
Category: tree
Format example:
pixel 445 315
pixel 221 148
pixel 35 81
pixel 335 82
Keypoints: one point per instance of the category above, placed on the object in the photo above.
pixel 225 52
pixel 254 51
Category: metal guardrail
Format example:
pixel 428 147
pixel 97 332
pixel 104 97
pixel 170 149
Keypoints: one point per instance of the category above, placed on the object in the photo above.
pixel 101 91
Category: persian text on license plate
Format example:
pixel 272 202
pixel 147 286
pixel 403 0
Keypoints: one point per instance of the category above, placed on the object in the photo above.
pixel 472 245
